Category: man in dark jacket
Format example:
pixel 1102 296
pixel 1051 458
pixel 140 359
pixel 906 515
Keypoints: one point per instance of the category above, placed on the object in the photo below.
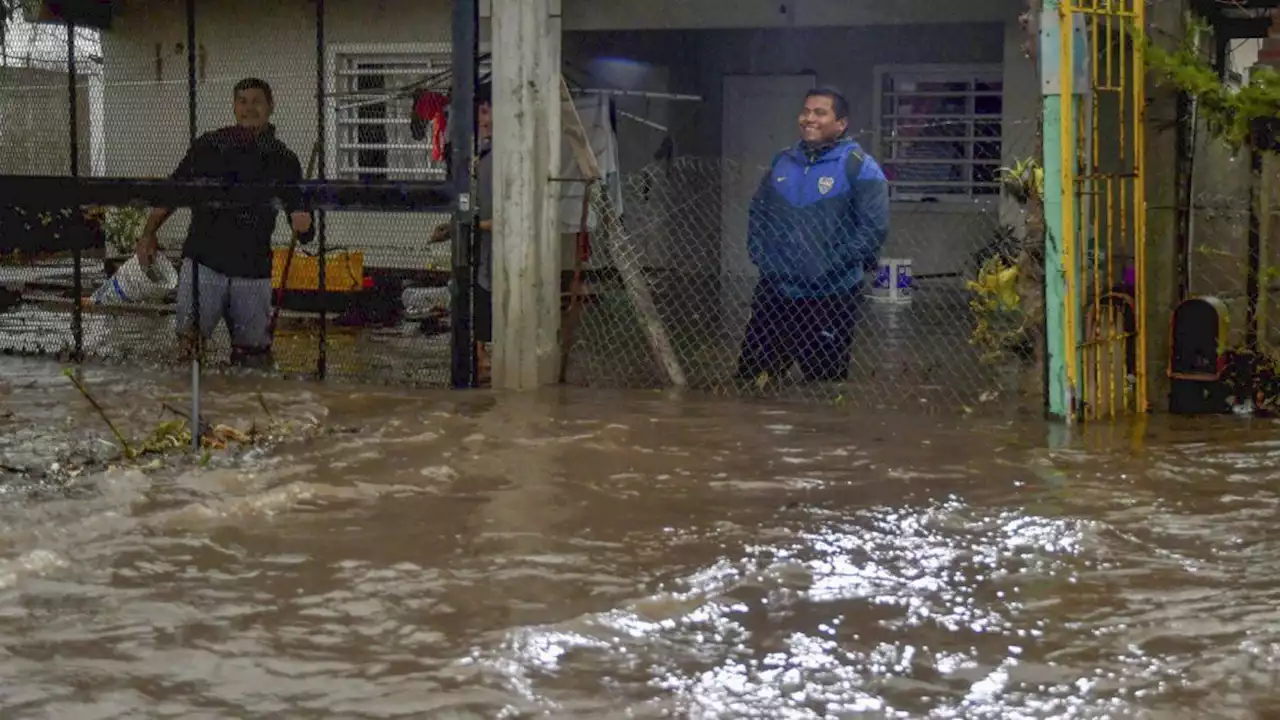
pixel 233 243
pixel 816 226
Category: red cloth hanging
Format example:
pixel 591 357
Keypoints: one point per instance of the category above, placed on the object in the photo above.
pixel 430 107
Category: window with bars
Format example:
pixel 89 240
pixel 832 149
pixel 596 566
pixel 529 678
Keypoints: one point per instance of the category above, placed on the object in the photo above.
pixel 370 106
pixel 939 132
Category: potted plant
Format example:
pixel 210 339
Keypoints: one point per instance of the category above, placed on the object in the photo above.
pixel 1003 301
pixel 121 227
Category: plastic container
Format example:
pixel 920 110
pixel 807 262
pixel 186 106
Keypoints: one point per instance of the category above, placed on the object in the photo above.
pixel 893 281
pixel 133 284
pixel 421 301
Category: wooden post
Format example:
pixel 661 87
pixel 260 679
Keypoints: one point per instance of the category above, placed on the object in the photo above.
pixel 615 238
pixel 526 152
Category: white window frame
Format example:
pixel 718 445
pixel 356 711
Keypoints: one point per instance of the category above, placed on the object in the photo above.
pixel 413 156
pixel 993 73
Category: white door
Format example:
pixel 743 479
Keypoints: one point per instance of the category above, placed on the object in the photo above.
pixel 760 118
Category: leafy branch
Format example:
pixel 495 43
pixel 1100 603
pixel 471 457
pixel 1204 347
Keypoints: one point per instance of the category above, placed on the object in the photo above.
pixel 1229 113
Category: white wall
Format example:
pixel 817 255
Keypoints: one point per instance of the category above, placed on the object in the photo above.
pixel 1242 55
pixel 146 96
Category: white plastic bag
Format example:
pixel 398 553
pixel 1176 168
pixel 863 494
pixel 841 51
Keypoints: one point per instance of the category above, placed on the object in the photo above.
pixel 133 284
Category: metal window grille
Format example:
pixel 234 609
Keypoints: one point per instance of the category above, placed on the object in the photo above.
pixel 372 98
pixel 939 130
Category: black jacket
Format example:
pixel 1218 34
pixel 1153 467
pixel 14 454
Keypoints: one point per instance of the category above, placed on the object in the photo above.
pixel 236 240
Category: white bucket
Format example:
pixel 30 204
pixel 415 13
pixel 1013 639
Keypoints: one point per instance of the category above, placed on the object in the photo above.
pixel 893 281
pixel 133 284
pixel 420 301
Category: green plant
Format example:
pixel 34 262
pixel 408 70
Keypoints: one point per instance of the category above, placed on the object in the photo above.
pixel 1000 319
pixel 1229 113
pixel 122 226
pixel 1024 182
pixel 1005 301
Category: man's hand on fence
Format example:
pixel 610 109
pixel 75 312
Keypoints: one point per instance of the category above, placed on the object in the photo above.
pixel 146 248
pixel 301 222
pixel 442 233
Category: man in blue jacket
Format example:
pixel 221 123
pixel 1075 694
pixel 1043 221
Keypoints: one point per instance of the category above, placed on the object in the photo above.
pixel 816 227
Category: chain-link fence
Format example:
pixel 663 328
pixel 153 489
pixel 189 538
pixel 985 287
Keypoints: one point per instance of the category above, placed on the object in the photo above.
pixel 947 314
pixel 1231 253
pixel 671 292
pixel 144 97
pixel 1228 252
pixel 1216 256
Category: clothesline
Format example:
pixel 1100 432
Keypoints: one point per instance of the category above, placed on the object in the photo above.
pixel 636 93
pixel 648 94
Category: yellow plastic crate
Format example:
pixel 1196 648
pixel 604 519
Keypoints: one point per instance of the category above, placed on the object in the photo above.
pixel 343 271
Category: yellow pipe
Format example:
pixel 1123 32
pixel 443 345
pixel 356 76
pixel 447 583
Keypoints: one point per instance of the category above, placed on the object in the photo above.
pixel 1140 204
pixel 1100 189
pixel 1116 338
pixel 1068 148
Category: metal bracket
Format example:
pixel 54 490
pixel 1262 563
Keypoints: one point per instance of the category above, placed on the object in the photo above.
pixel 1051 55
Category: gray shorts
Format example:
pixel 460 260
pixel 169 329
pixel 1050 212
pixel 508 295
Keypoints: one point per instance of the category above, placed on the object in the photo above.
pixel 245 303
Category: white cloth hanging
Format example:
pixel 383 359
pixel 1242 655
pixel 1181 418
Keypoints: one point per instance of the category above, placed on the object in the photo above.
pixel 595 114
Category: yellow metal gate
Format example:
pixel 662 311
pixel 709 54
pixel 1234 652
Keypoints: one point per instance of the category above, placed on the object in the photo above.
pixel 1104 205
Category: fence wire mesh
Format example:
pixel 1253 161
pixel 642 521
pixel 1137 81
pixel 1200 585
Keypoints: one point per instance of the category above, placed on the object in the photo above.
pixel 1229 252
pixel 670 282
pixel 672 292
pixel 1217 256
pixel 1234 224
pixel 386 307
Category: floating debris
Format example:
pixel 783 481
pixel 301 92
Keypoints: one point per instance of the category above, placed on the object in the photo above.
pixel 60 463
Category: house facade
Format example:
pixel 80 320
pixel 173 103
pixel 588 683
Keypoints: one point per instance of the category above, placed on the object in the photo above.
pixel 898 66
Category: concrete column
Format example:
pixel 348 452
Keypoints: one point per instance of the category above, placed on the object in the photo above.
pixel 1057 87
pixel 526 151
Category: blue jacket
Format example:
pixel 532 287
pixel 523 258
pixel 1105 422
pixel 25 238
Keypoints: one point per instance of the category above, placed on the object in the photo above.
pixel 816 226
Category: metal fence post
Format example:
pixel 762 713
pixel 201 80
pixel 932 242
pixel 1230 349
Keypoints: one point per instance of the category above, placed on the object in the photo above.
pixel 77 254
pixel 322 359
pixel 465 46
pixel 195 264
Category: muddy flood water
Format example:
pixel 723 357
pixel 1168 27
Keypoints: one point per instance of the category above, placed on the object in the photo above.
pixel 583 555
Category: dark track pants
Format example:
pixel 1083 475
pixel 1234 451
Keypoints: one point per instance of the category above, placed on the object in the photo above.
pixel 815 333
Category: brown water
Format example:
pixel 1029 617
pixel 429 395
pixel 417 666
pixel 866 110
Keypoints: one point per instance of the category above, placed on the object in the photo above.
pixel 579 555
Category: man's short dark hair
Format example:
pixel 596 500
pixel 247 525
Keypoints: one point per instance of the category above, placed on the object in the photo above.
pixel 254 84
pixel 838 103
pixel 484 94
